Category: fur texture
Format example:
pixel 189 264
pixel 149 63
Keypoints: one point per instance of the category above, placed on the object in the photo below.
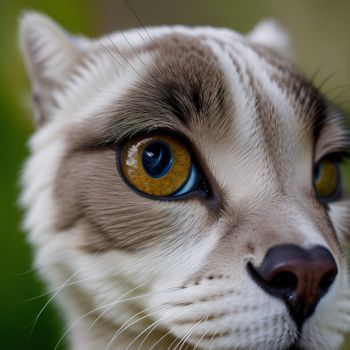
pixel 131 272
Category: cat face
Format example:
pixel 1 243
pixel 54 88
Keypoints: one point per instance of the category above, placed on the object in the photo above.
pixel 247 250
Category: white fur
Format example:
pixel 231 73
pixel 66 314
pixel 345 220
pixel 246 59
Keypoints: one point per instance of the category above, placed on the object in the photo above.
pixel 271 33
pixel 103 294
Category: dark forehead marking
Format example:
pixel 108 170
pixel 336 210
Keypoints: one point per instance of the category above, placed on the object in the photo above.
pixel 312 103
pixel 180 105
pixel 186 80
pixel 182 87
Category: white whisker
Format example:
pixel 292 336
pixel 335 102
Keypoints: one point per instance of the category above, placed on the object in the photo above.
pixel 58 291
pixel 212 339
pixel 163 337
pixel 187 335
pixel 123 328
pixel 200 339
pixel 103 307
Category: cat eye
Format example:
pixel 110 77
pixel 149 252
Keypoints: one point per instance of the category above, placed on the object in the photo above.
pixel 159 166
pixel 329 179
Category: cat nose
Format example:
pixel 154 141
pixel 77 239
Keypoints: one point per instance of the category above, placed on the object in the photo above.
pixel 298 276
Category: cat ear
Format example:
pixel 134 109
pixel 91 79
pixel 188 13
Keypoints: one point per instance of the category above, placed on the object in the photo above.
pixel 50 55
pixel 271 33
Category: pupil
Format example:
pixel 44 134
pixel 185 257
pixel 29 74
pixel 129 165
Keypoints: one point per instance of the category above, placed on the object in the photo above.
pixel 157 159
pixel 317 172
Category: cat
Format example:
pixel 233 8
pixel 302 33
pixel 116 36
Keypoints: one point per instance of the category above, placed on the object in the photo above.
pixel 185 190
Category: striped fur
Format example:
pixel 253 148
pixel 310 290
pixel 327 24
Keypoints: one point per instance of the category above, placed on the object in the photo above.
pixel 136 273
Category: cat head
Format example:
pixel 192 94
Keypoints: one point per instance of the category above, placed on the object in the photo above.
pixel 189 178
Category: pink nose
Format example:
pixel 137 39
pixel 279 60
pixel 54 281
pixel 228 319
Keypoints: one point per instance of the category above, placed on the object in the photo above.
pixel 298 276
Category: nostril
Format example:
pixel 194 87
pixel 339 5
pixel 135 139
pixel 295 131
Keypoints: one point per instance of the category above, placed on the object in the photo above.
pixel 327 280
pixel 298 276
pixel 284 280
pixel 277 284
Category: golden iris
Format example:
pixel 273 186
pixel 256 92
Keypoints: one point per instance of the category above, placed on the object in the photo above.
pixel 344 174
pixel 326 178
pixel 157 165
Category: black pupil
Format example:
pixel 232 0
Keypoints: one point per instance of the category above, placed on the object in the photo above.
pixel 157 159
pixel 317 172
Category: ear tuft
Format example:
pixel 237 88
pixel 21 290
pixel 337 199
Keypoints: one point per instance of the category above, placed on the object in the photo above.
pixel 50 55
pixel 48 50
pixel 271 33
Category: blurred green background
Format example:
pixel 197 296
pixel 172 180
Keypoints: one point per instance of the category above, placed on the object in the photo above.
pixel 321 33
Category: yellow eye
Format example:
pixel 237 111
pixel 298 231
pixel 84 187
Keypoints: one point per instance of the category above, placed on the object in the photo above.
pixel 327 179
pixel 158 165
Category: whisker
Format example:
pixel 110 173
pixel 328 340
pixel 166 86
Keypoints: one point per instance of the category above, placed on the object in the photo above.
pixel 153 326
pixel 121 330
pixel 344 86
pixel 212 339
pixel 123 57
pixel 149 333
pixel 138 18
pixel 104 306
pixel 329 77
pixel 203 335
pixel 132 48
pixel 145 30
pixel 123 296
pixel 49 292
pixel 317 71
pixel 340 103
pixel 77 321
pixel 49 301
pixel 174 341
pixel 150 52
pixel 201 338
pixel 187 335
pixel 125 325
pixel 33 269
pixel 111 54
pixel 163 337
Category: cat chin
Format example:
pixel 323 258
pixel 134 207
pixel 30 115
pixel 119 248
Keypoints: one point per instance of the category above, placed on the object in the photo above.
pixel 250 320
pixel 82 281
